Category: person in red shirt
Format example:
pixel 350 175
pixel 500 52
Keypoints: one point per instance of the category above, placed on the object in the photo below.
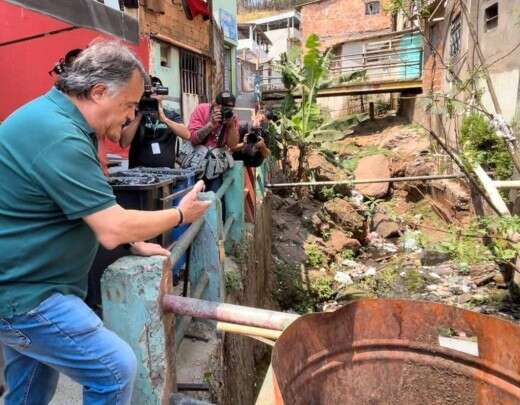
pixel 215 126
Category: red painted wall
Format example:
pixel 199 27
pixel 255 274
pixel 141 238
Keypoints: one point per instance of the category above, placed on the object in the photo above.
pixel 24 66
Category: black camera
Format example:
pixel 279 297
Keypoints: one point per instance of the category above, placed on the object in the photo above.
pixel 226 100
pixel 148 104
pixel 227 113
pixel 254 135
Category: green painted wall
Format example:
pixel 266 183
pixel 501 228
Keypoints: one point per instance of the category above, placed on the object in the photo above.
pixel 170 76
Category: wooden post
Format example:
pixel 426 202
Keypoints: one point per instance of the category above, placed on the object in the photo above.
pixel 372 110
pixel 234 200
pixel 131 291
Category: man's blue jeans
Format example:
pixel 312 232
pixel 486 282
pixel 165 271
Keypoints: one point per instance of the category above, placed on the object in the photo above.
pixel 64 335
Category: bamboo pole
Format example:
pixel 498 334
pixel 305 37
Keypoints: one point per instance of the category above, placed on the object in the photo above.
pixel 491 190
pixel 507 184
pixel 249 330
pixel 510 184
pixel 367 181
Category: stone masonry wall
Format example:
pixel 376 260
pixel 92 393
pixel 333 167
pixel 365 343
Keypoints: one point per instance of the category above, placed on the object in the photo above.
pixel 338 20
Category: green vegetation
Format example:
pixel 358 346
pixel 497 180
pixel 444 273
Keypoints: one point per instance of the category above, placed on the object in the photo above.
pixel 405 6
pixel 294 290
pixel 482 145
pixel 348 254
pixel 328 193
pixel 303 124
pixel 322 289
pixel 396 279
pixel 505 234
pixel 463 249
pixel 315 256
pixel 233 281
pixel 267 4
pixel 466 246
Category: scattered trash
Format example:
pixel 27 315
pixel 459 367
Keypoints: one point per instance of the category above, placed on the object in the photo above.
pixel 343 278
pixel 410 241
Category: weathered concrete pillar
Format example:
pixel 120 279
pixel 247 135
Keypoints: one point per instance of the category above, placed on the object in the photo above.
pixel 130 291
pixel 234 200
pixel 206 274
pixel 205 253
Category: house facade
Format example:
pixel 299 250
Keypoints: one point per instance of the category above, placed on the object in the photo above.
pixel 337 21
pixel 283 30
pixel 454 38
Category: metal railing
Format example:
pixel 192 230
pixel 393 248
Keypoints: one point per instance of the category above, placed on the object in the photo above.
pixel 396 64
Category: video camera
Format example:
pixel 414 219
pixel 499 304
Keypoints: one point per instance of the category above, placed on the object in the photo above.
pixel 148 104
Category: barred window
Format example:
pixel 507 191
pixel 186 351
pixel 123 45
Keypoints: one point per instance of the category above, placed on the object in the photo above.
pixel 455 36
pixel 193 74
pixel 491 17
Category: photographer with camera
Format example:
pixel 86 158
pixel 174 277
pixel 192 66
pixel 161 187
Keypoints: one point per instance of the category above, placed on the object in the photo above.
pixel 213 134
pixel 152 135
pixel 252 148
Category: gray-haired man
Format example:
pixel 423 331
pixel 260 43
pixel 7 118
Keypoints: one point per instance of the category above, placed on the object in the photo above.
pixel 55 206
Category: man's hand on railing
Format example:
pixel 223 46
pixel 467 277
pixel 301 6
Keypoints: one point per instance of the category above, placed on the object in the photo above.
pixel 192 208
pixel 148 249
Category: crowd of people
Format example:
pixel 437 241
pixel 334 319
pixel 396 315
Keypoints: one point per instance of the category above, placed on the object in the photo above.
pixel 57 208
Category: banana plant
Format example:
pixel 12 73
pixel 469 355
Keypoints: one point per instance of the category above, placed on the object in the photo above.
pixel 305 125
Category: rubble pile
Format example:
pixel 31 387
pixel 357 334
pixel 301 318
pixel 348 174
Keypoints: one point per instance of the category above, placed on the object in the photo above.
pixel 385 241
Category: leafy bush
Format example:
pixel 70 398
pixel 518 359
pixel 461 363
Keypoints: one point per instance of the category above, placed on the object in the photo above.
pixel 482 145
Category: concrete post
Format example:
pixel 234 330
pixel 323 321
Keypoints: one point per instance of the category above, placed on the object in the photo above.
pixel 130 291
pixel 234 200
pixel 205 253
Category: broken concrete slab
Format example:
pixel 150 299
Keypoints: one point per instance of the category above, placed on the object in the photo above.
pixel 373 167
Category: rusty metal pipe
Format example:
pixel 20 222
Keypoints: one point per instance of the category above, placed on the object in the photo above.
pixel 262 318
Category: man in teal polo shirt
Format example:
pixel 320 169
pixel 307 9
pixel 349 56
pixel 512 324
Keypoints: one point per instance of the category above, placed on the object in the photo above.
pixel 55 207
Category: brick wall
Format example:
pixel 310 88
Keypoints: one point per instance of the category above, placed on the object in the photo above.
pixel 173 23
pixel 433 70
pixel 338 20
